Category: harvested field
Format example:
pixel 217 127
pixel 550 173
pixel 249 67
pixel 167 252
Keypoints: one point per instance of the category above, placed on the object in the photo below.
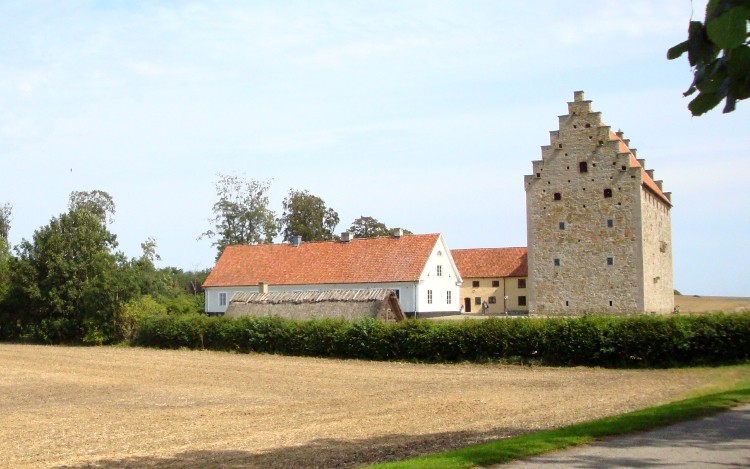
pixel 704 304
pixel 122 407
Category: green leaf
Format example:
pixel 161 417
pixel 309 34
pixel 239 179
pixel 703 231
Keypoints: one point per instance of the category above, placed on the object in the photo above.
pixel 703 103
pixel 730 29
pixel 700 49
pixel 677 50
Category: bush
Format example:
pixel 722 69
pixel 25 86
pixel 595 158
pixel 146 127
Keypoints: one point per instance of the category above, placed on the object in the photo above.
pixel 635 341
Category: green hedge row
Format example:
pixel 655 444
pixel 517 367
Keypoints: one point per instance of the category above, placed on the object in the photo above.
pixel 634 341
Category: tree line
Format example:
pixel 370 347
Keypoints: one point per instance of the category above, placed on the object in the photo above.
pixel 70 284
pixel 241 215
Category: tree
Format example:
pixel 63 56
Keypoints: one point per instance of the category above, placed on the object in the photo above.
pixel 5 212
pixel 241 215
pixel 719 53
pixel 97 202
pixel 66 283
pixel 368 227
pixel 306 215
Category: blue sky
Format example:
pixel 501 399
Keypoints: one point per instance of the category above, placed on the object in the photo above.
pixel 422 114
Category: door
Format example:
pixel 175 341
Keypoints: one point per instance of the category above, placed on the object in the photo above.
pixel 467 305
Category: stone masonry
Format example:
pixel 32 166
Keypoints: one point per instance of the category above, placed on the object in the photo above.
pixel 599 230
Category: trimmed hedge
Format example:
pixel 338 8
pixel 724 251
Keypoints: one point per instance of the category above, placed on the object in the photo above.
pixel 629 342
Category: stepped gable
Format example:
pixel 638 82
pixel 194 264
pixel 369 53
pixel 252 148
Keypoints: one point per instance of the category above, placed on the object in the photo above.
pixel 385 259
pixel 491 262
pixel 580 116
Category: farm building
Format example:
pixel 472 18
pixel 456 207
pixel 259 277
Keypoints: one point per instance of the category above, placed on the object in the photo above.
pixel 350 305
pixel 493 276
pixel 419 269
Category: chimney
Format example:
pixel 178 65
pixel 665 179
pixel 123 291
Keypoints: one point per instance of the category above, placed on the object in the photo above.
pixel 347 236
pixel 262 287
pixel 398 232
pixel 296 240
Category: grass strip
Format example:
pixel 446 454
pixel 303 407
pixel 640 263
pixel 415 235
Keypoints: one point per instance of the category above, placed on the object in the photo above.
pixel 532 444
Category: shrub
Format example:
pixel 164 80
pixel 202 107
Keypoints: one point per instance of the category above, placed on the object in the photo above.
pixel 636 341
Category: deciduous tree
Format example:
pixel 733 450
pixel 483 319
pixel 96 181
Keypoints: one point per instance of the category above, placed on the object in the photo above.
pixel 241 215
pixel 368 227
pixel 5 212
pixel 306 215
pixel 97 202
pixel 719 53
pixel 65 283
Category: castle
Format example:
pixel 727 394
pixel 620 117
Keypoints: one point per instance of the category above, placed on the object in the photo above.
pixel 598 224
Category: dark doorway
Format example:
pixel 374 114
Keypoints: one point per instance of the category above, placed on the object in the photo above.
pixel 467 305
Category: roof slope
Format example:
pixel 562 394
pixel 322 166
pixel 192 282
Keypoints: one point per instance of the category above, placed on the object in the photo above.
pixel 647 181
pixel 491 262
pixel 386 259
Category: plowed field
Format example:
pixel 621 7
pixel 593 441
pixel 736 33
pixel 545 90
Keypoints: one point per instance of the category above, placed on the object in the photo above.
pixel 122 407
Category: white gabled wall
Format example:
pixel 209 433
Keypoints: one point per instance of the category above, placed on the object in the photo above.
pixel 449 281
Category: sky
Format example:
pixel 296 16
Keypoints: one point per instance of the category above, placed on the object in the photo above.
pixel 425 115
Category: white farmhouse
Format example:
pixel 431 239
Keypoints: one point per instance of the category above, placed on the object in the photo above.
pixel 419 268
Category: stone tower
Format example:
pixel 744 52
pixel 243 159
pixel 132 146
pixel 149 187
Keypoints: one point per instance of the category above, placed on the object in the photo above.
pixel 599 229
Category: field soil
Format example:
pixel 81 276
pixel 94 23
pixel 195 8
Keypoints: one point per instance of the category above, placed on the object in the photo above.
pixel 707 304
pixel 121 407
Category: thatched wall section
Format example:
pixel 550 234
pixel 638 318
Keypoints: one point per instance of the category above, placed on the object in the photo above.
pixel 349 305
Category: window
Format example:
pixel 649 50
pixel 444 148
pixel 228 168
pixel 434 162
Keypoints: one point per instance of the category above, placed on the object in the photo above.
pixel 610 260
pixel 610 223
pixel 562 225
pixel 583 167
pixel 440 271
pixel 521 283
pixel 567 303
pixel 557 196
pixel 496 283
pixel 492 300
pixel 610 302
pixel 475 284
pixel 607 193
pixel 477 300
pixel 222 299
pixel 521 301
pixel 429 297
pixel 557 262
pixel 448 297
pixel 397 292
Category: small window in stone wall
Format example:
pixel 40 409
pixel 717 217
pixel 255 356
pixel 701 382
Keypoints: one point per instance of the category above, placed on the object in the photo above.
pixel 557 196
pixel 475 284
pixel 496 283
pixel 610 223
pixel 562 225
pixel 567 303
pixel 557 262
pixel 521 283
pixel 521 301
pixel 610 260
pixel 477 300
pixel 611 302
pixel 607 193
pixel 583 167
pixel 492 300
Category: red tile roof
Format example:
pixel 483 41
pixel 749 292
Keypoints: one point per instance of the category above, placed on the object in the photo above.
pixel 386 259
pixel 647 181
pixel 491 262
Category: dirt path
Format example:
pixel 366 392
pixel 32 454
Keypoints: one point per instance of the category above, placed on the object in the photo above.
pixel 121 407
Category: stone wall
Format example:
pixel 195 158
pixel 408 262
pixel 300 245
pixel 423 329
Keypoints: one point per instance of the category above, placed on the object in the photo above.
pixel 586 223
pixel 658 283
